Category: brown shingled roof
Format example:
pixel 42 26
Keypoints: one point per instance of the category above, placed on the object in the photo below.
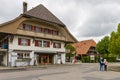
pixel 43 13
pixel 82 47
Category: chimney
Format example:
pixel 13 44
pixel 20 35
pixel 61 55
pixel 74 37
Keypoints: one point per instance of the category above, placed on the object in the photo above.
pixel 24 7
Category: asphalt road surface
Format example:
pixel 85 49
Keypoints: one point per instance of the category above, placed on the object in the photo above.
pixel 69 72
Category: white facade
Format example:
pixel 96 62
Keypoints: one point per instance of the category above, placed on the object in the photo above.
pixel 43 39
pixel 14 49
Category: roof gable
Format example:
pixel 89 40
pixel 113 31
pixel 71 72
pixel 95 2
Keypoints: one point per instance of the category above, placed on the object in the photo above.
pixel 43 13
pixel 37 14
pixel 83 46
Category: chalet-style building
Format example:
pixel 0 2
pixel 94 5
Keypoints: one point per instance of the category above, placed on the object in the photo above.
pixel 85 48
pixel 35 37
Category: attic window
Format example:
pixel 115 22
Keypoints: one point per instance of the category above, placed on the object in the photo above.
pixel 55 32
pixel 38 29
pixel 47 31
pixel 27 27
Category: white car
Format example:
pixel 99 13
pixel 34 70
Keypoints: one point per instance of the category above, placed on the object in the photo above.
pixel 118 59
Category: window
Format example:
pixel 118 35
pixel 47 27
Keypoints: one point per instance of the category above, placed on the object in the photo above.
pixel 23 41
pixel 23 55
pixel 38 29
pixel 38 43
pixel 46 44
pixel 55 32
pixel 47 31
pixel 20 56
pixel 27 27
pixel 57 45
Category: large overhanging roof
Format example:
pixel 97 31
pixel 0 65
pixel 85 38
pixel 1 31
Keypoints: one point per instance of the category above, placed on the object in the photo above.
pixel 40 12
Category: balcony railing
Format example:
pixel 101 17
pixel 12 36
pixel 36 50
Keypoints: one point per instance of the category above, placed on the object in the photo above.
pixel 41 35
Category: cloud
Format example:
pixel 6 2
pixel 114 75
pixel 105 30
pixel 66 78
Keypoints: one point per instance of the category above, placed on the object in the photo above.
pixel 88 18
pixel 102 20
pixel 85 19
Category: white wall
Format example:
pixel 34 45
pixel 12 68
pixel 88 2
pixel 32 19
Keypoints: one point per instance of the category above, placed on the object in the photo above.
pixel 55 59
pixel 13 58
pixel 32 56
pixel 63 58
pixel 5 59
pixel 14 46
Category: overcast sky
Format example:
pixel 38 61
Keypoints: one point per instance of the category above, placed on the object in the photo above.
pixel 85 19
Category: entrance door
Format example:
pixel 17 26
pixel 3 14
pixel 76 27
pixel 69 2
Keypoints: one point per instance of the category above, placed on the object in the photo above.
pixel 51 59
pixel 46 59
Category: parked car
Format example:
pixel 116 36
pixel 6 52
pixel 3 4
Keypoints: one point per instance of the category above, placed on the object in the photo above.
pixel 118 59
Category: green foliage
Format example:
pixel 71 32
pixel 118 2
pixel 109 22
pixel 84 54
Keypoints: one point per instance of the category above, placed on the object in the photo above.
pixel 114 46
pixel 110 45
pixel 70 47
pixel 85 59
pixel 69 55
pixel 111 59
pixel 102 46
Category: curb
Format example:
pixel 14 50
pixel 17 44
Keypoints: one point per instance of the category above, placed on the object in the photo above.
pixel 12 69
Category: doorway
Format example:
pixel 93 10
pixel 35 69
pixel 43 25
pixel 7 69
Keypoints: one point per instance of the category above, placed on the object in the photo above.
pixel 45 58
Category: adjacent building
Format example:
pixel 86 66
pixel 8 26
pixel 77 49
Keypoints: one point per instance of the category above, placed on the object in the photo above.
pixel 86 48
pixel 33 38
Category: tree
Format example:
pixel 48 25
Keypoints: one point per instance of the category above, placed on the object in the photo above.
pixel 71 50
pixel 114 46
pixel 102 46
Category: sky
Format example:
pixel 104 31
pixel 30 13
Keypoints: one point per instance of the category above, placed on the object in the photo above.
pixel 85 19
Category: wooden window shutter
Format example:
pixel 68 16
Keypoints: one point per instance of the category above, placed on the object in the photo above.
pixel 19 41
pixel 59 45
pixel 54 44
pixel 34 28
pixel 42 30
pixel 36 42
pixel 49 31
pixel 57 32
pixel 52 32
pixel 24 26
pixel 48 44
pixel 28 42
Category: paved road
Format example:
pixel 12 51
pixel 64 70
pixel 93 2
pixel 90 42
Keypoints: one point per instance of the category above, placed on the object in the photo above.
pixel 72 72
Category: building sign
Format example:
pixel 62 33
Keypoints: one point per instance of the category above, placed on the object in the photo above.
pixel 92 57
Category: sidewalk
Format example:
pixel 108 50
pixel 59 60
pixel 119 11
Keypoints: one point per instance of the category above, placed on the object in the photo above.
pixel 2 68
pixel 111 66
pixel 114 67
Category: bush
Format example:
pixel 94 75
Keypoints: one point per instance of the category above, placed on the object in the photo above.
pixel 85 59
pixel 111 59
pixel 97 58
